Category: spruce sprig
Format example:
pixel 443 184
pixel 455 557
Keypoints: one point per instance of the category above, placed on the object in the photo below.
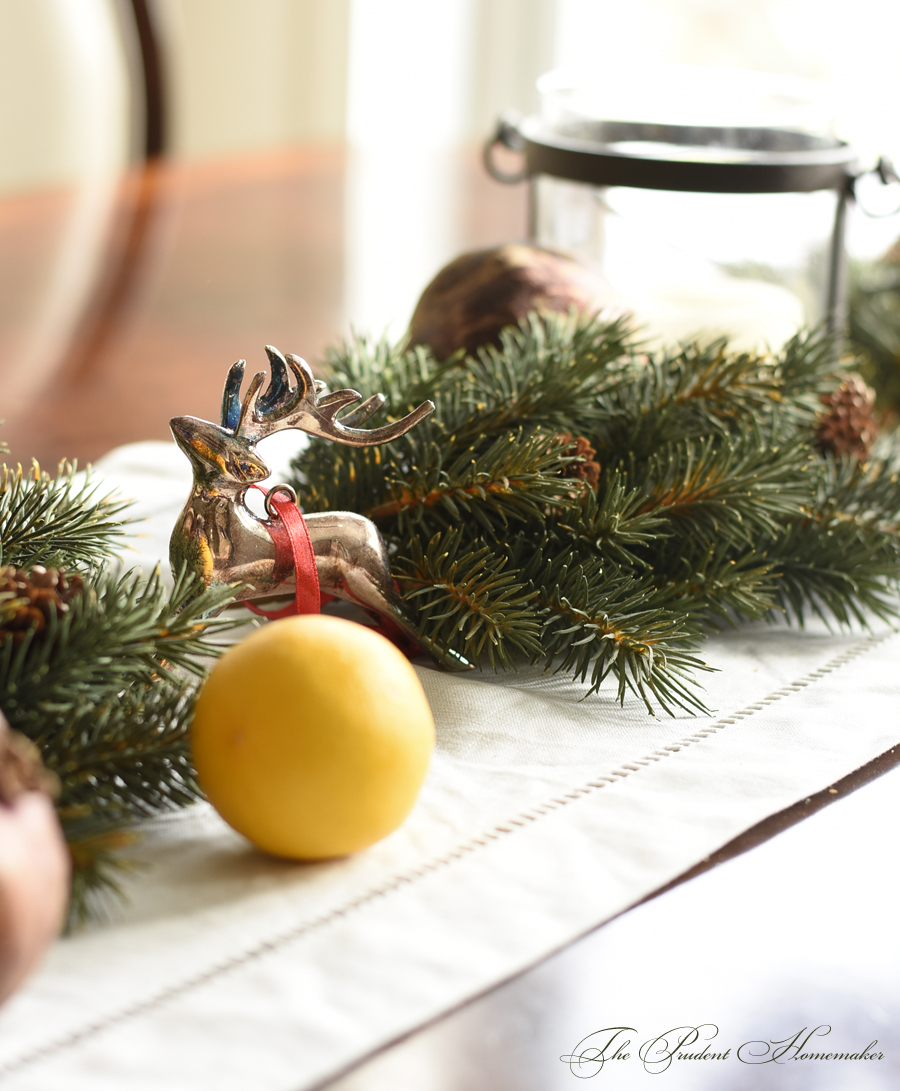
pixel 378 367
pixel 106 692
pixel 713 503
pixel 723 487
pixel 56 521
pixel 703 389
pixel 837 574
pixel 514 479
pixel 105 688
pixel 545 374
pixel 839 556
pixel 597 624
pixel 719 585
pixel 614 521
pixel 472 603
pixel 123 631
pixel 125 756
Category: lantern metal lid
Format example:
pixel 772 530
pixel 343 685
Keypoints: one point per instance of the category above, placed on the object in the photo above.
pixel 699 158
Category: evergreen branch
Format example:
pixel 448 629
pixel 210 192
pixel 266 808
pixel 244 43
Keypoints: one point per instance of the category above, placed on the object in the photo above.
pixel 378 367
pixel 736 488
pixel 98 864
pixel 839 582
pixel 332 477
pixel 545 374
pixel 609 522
pixel 808 368
pixel 706 390
pixel 516 479
pixel 126 631
pixel 101 691
pixel 843 571
pixel 718 587
pixel 548 366
pixel 839 556
pixel 712 504
pixel 125 757
pixel 468 600
pixel 710 381
pixel 597 625
pixel 846 489
pixel 97 685
pixel 722 381
pixel 55 522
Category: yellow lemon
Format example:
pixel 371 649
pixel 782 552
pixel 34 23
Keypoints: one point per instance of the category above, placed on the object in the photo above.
pixel 312 737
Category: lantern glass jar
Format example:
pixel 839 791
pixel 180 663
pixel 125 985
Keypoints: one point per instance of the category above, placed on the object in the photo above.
pixel 712 201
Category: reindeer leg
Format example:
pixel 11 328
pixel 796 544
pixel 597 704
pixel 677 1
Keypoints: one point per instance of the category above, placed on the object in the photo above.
pixel 383 600
pixel 353 565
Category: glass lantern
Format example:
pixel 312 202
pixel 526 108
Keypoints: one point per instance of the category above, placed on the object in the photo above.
pixel 714 202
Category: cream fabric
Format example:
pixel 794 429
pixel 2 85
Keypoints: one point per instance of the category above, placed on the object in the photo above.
pixel 543 815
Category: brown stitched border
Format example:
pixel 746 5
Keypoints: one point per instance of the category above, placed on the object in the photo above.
pixel 438 862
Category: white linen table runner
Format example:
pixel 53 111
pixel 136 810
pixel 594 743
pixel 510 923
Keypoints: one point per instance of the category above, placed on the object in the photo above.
pixel 543 815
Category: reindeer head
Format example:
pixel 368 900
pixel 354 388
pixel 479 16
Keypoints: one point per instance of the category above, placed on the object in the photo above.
pixel 225 453
pixel 218 457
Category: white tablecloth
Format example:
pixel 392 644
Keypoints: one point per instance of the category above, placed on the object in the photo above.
pixel 542 816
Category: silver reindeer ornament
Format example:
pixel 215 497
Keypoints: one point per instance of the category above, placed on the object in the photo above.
pixel 220 539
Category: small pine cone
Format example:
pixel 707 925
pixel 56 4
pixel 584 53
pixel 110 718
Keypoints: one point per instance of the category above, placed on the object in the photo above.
pixel 588 470
pixel 29 597
pixel 847 426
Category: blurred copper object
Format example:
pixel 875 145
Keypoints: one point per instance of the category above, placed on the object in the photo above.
pixel 34 860
pixel 474 297
pixel 220 539
pixel 21 767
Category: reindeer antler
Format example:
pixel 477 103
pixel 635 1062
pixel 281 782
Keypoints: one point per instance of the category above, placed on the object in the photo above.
pixel 305 406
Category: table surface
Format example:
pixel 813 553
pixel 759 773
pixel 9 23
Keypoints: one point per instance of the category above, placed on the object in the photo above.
pixel 208 262
pixel 200 264
pixel 789 928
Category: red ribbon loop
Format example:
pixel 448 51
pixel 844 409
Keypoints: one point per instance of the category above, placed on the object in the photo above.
pixel 307 596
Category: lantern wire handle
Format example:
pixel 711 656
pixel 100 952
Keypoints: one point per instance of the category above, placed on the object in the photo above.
pixel 508 136
pixel 887 172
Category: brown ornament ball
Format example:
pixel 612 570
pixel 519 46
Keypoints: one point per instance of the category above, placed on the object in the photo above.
pixel 478 294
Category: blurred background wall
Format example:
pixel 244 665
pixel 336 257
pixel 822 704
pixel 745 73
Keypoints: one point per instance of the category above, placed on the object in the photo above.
pixel 405 82
pixel 324 162
pixel 253 74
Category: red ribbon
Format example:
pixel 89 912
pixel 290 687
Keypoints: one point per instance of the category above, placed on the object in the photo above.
pixel 294 551
pixel 291 524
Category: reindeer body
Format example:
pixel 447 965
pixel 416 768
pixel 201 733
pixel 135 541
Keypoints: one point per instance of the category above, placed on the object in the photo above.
pixel 225 542
pixel 218 536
